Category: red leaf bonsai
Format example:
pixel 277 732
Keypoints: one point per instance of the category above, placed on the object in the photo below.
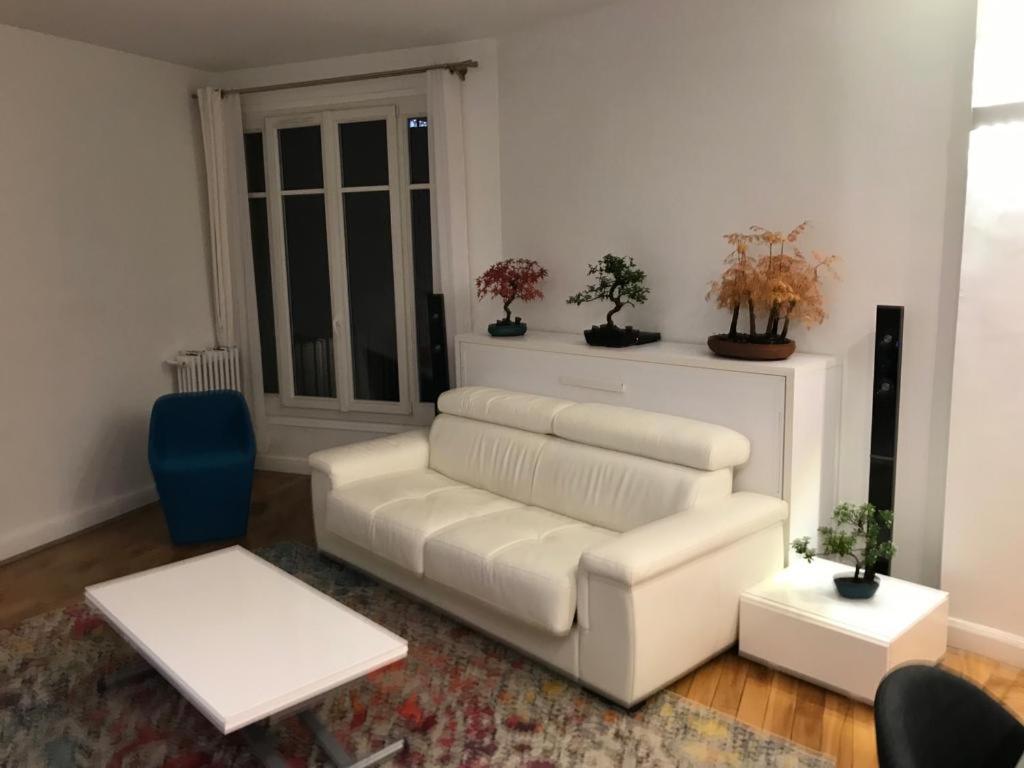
pixel 509 280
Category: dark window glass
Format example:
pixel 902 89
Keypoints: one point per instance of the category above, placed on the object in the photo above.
pixel 364 153
pixel 423 286
pixel 371 295
pixel 419 155
pixel 309 295
pixel 254 162
pixel 301 167
pixel 264 291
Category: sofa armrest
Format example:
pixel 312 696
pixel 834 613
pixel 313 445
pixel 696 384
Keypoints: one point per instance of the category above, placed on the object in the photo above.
pixel 372 458
pixel 661 545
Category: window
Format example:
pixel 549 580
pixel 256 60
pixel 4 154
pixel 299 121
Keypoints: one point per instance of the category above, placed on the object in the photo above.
pixel 343 258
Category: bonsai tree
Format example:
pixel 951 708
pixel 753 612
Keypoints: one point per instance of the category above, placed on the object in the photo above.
pixel 783 285
pixel 857 533
pixel 616 279
pixel 736 288
pixel 509 280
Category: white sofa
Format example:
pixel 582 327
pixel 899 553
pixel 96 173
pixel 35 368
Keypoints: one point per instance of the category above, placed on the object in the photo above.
pixel 603 541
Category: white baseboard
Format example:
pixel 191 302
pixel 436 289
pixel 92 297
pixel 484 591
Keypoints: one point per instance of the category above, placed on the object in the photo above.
pixel 298 465
pixel 988 641
pixel 30 537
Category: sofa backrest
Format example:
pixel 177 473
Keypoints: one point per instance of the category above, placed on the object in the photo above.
pixel 499 459
pixel 609 466
pixel 616 490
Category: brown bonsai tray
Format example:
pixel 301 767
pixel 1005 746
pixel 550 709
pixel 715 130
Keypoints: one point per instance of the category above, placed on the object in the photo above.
pixel 741 348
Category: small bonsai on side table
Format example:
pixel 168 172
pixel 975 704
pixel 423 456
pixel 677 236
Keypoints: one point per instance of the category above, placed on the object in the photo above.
pixel 857 533
pixel 509 280
pixel 619 280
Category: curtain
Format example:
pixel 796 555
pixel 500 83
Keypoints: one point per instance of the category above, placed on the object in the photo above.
pixel 444 112
pixel 221 118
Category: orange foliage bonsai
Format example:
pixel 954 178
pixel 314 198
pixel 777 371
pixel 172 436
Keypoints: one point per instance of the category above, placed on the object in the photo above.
pixel 781 284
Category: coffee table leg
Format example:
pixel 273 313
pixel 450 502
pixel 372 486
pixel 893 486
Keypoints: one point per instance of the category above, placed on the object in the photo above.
pixel 336 753
pixel 124 676
pixel 261 744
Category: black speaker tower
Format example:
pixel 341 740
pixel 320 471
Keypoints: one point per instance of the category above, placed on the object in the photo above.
pixel 438 336
pixel 885 412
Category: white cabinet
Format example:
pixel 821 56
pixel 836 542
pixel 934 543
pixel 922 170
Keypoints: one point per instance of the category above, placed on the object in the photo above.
pixel 795 621
pixel 788 409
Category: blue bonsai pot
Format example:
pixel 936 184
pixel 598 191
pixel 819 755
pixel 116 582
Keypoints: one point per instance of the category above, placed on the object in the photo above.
pixel 507 328
pixel 856 589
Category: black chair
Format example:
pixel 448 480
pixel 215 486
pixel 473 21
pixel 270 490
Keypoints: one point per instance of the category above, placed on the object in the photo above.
pixel 926 717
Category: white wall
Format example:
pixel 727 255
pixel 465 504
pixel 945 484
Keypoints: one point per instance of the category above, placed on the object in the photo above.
pixel 103 274
pixel 286 442
pixel 652 127
pixel 981 557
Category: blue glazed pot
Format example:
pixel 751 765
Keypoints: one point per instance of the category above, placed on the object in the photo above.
pixel 506 329
pixel 855 589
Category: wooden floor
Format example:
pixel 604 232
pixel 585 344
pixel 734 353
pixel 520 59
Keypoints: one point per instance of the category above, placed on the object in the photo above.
pixel 766 699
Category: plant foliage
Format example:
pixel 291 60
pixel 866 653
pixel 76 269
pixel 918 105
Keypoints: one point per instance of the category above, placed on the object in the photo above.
pixel 857 533
pixel 784 285
pixel 617 279
pixel 511 279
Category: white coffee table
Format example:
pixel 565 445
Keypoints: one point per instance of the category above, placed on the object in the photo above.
pixel 245 642
pixel 795 621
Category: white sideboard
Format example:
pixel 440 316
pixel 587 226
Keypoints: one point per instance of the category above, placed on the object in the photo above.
pixel 789 410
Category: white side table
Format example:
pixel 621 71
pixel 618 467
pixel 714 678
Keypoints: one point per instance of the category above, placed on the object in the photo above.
pixel 797 622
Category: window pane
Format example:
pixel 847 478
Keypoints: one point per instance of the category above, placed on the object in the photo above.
pixel 419 163
pixel 254 162
pixel 309 295
pixel 301 167
pixel 364 153
pixel 423 286
pixel 371 295
pixel 264 291
pixel 998 53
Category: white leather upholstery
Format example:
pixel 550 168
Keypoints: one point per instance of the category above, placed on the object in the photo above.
pixel 394 515
pixel 673 541
pixel 533 413
pixel 519 561
pixel 622 568
pixel 658 436
pixel 500 459
pixel 618 491
pixel 359 461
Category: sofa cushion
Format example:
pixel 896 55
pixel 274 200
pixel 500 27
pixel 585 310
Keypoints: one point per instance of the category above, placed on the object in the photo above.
pixel 521 562
pixel 392 516
pixel 619 491
pixel 658 436
pixel 499 459
pixel 534 413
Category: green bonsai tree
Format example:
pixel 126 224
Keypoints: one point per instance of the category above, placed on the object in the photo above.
pixel 617 279
pixel 857 533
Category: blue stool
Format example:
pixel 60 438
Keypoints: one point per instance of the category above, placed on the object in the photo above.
pixel 202 452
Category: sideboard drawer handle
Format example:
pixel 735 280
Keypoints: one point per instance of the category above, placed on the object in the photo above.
pixel 603 386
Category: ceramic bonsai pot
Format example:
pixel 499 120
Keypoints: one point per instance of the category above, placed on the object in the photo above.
pixel 856 589
pixel 507 328
pixel 613 336
pixel 741 348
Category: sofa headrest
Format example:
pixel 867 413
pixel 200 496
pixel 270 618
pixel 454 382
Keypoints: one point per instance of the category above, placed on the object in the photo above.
pixel 658 436
pixel 533 413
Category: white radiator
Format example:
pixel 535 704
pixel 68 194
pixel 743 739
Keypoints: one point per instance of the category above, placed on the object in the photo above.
pixel 199 370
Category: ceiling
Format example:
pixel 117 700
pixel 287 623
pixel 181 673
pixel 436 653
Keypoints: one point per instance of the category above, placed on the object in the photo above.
pixel 232 34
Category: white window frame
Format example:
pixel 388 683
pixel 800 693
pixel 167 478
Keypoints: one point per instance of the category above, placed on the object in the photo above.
pixel 399 189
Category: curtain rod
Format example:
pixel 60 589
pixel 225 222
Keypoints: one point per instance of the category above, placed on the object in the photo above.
pixel 459 68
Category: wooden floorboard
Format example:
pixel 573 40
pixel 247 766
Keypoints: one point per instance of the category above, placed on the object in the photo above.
pixel 765 699
pixel 56 575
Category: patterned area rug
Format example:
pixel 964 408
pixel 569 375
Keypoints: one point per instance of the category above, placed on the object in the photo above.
pixel 459 699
